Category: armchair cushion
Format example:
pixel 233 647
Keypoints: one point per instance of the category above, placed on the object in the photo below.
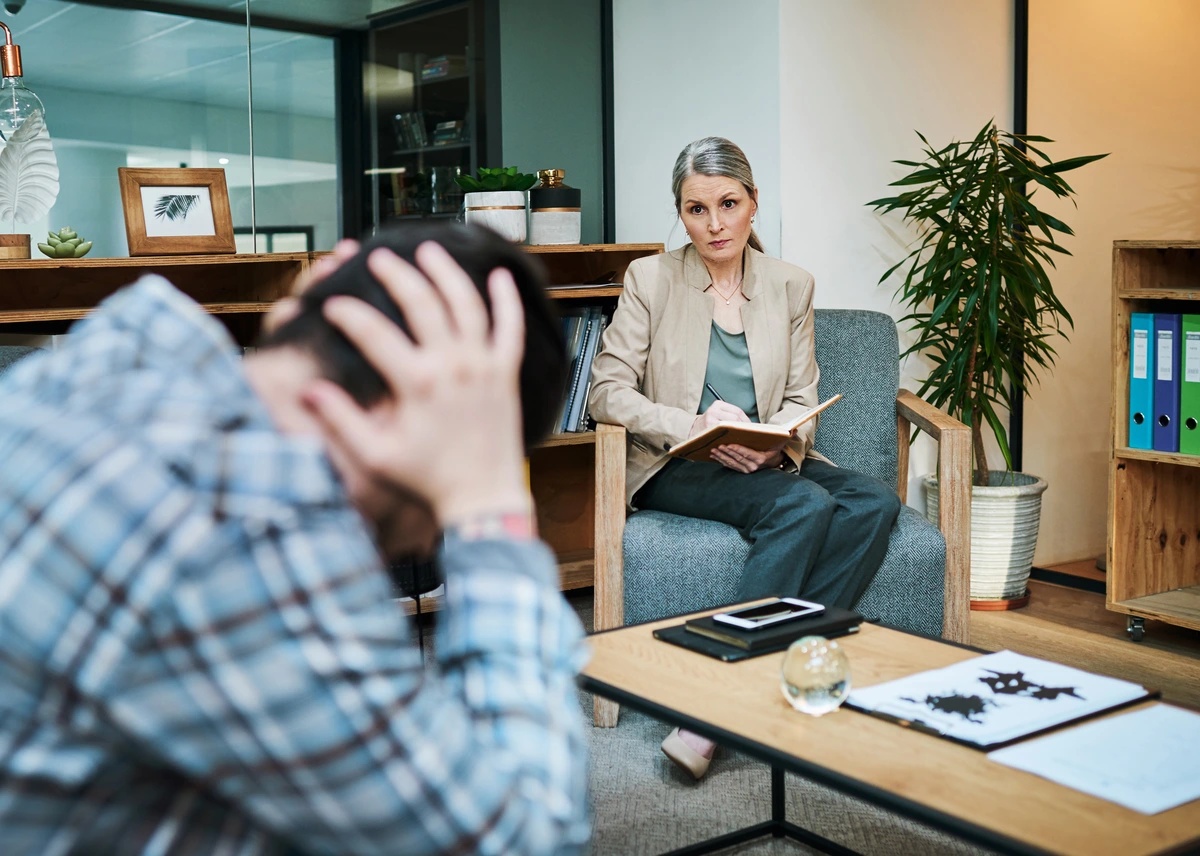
pixel 10 354
pixel 703 564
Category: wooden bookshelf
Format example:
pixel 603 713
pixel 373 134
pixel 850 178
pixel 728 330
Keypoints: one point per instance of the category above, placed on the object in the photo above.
pixel 40 290
pixel 1153 552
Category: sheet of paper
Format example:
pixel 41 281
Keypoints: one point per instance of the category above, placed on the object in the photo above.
pixel 1147 760
pixel 995 698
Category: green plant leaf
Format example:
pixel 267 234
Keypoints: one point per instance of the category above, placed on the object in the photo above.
pixel 497 178
pixel 1072 163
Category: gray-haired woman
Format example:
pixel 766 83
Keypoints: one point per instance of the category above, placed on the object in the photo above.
pixel 718 331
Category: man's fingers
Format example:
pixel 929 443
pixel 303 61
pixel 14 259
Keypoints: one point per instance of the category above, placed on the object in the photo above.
pixel 463 302
pixel 423 309
pixel 508 317
pixel 377 338
pixel 325 265
pixel 343 422
pixel 286 308
pixel 283 311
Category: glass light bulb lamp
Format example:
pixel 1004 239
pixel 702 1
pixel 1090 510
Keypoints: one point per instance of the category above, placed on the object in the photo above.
pixel 17 101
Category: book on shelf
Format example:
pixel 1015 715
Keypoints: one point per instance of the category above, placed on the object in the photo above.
pixel 577 415
pixel 753 435
pixel 775 637
pixel 575 353
pixel 585 415
pixel 995 699
pixel 446 65
pixel 574 325
pixel 447 132
pixel 410 129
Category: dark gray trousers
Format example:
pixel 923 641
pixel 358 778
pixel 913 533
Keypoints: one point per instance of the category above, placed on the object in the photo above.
pixel 820 535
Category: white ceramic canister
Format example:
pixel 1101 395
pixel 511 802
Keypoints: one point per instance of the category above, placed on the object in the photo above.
pixel 502 211
pixel 554 216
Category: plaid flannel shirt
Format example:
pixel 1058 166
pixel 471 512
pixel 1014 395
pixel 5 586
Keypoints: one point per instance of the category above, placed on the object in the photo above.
pixel 198 653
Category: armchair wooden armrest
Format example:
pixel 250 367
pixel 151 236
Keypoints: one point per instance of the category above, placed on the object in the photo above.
pixel 954 500
pixel 608 592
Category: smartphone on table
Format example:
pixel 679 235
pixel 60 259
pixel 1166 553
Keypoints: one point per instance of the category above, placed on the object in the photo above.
pixel 767 614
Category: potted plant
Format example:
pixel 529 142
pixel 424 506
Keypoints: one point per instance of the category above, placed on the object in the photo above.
pixel 983 310
pixel 496 198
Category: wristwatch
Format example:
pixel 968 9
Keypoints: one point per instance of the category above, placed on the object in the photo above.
pixel 787 464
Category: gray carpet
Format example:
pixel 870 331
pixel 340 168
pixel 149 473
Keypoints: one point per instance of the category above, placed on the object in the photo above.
pixel 643 804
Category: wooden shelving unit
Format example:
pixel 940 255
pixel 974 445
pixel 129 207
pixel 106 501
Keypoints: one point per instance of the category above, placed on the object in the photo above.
pixel 1154 497
pixel 578 480
pixel 40 290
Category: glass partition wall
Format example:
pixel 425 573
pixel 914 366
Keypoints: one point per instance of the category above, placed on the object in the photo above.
pixel 127 87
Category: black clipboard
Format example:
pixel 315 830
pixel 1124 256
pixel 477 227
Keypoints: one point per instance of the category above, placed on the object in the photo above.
pixel 679 635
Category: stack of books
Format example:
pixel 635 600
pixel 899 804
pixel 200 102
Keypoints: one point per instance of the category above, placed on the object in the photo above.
pixel 450 131
pixel 582 328
pixel 446 65
pixel 728 643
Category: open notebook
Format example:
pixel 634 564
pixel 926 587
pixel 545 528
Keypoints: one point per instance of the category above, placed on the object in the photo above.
pixel 752 435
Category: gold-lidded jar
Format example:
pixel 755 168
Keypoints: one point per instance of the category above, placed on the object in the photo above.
pixel 554 210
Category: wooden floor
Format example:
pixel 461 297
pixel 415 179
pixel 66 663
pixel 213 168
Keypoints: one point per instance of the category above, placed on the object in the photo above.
pixel 1073 627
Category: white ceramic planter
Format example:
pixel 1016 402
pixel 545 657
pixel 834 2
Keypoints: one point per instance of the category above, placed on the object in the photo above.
pixel 1005 517
pixel 502 211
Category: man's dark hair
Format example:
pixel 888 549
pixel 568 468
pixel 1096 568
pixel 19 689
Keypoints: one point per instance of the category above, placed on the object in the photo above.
pixel 478 251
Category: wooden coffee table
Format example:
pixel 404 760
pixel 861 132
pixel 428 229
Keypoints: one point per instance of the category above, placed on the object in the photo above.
pixel 919 776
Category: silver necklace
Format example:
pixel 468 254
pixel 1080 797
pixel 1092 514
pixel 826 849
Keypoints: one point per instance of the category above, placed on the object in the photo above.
pixel 729 296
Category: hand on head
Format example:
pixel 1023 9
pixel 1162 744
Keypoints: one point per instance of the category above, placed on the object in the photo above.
pixel 450 428
pixel 286 307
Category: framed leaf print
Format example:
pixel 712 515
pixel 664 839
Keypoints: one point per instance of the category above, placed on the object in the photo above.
pixel 176 211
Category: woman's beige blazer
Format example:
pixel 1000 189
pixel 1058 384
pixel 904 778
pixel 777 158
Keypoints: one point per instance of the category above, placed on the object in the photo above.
pixel 649 374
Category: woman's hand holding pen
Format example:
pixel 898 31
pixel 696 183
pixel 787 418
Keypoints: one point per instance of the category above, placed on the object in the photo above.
pixel 718 411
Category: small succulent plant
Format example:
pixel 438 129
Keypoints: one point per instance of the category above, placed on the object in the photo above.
pixel 65 244
pixel 500 178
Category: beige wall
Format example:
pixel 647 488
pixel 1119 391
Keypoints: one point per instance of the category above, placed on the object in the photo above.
pixel 1119 77
pixel 857 78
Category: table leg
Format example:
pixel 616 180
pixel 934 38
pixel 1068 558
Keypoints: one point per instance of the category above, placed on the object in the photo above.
pixel 778 826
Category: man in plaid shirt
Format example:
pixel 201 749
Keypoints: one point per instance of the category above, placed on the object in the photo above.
pixel 198 653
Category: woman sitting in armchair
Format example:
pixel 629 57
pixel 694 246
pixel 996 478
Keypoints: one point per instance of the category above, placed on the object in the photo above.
pixel 717 331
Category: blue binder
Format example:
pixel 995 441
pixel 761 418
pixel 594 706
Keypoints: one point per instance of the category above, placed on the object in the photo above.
pixel 1141 380
pixel 1168 330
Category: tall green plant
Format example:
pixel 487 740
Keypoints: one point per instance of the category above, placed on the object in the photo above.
pixel 976 287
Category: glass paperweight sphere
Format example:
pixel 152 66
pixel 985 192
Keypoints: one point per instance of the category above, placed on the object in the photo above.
pixel 816 675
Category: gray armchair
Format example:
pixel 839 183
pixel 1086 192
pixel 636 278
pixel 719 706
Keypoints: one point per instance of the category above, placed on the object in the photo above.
pixel 9 354
pixel 673 564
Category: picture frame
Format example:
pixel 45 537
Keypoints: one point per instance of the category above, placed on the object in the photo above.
pixel 176 211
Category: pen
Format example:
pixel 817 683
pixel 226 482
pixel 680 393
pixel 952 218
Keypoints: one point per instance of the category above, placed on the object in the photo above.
pixel 716 394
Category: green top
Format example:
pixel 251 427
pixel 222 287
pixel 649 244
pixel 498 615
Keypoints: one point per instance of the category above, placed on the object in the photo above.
pixel 729 372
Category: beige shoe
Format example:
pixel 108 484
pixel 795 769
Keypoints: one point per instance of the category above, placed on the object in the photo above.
pixel 685 756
